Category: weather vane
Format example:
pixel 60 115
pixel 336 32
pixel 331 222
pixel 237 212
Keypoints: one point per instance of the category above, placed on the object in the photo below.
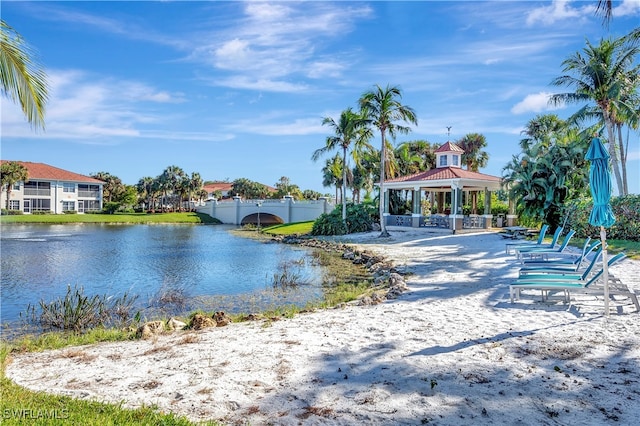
pixel 449 131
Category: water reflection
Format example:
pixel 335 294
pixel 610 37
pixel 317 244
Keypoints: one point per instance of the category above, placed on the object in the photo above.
pixel 206 265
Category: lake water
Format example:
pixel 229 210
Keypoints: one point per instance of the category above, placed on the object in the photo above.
pixel 204 267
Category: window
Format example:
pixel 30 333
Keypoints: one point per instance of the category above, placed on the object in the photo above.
pixel 68 206
pixel 40 204
pixel 443 160
pixel 92 191
pixel 37 188
pixel 14 204
pixel 454 160
pixel 16 186
pixel 68 187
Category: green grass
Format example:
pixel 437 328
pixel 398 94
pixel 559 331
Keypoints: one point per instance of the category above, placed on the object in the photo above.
pixel 630 248
pixel 133 218
pixel 298 228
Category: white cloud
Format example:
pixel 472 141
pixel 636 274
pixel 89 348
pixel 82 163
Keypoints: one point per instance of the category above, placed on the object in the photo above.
pixel 272 43
pixel 558 10
pixel 537 102
pixel 626 8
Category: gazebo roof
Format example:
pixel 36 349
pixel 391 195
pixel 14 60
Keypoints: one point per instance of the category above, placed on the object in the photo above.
pixel 445 178
pixel 449 147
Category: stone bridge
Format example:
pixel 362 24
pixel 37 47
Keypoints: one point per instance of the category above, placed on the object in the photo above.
pixel 265 212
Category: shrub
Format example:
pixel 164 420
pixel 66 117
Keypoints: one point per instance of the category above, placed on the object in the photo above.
pixel 70 212
pixel 11 212
pixel 626 210
pixel 360 218
pixel 41 212
pixel 110 207
pixel 77 312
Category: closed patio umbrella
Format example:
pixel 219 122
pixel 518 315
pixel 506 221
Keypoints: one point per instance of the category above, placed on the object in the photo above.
pixel 601 214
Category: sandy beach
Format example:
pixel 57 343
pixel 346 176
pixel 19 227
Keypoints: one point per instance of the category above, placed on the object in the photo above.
pixel 453 350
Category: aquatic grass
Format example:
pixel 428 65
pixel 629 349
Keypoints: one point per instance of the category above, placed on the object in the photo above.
pixel 78 312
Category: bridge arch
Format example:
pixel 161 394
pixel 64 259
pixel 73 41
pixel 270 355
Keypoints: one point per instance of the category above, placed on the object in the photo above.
pixel 265 219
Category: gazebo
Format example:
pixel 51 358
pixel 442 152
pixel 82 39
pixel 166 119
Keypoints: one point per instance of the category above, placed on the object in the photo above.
pixel 445 186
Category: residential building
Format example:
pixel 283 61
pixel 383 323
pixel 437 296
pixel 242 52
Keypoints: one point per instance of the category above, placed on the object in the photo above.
pixel 53 190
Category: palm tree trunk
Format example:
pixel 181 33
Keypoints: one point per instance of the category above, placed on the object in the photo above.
pixel 613 152
pixel 344 185
pixel 383 154
pixel 623 161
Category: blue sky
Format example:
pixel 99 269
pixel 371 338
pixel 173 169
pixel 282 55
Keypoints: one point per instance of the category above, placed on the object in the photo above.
pixel 239 89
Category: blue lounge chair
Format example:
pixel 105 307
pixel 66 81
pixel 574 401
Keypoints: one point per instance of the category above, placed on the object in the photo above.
pixel 552 244
pixel 563 283
pixel 543 253
pixel 511 247
pixel 561 265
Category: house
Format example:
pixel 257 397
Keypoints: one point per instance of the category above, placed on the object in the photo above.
pixel 53 190
pixel 223 187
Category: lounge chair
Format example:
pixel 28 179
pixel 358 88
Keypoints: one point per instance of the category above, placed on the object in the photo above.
pixel 552 244
pixel 543 253
pixel 563 283
pixel 561 265
pixel 511 247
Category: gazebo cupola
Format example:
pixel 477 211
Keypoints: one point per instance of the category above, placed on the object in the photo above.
pixel 449 155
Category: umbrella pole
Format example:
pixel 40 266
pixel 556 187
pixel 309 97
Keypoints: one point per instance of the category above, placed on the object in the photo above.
pixel 605 270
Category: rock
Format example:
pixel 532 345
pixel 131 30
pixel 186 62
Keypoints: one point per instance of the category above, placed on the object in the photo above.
pixel 221 319
pixel 365 301
pixel 150 329
pixel 174 324
pixel 198 322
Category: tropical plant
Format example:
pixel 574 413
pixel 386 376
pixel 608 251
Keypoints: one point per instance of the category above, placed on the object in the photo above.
pixel 383 109
pixel 12 172
pixel 23 79
pixel 547 175
pixel 349 130
pixel 605 75
pixel 474 158
pixel 113 187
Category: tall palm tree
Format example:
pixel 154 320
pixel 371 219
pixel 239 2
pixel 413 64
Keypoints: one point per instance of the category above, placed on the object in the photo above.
pixel 473 157
pixel 383 108
pixel 170 182
pixel 350 129
pixel 23 79
pixel 195 185
pixel 332 174
pixel 145 189
pixel 12 172
pixel 601 75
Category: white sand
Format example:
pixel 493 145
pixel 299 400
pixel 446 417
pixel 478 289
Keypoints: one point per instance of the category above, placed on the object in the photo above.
pixel 452 351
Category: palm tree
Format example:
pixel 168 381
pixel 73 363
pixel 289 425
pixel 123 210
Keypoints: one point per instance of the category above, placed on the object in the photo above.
pixel 350 129
pixel 383 109
pixel 195 185
pixel 22 79
pixel 12 172
pixel 145 189
pixel 474 157
pixel 332 174
pixel 170 182
pixel 602 75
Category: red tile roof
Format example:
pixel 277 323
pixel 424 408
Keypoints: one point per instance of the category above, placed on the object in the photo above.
pixel 445 173
pixel 41 171
pixel 449 147
pixel 218 186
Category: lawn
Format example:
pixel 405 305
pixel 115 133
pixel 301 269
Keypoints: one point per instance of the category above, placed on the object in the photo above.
pixel 298 228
